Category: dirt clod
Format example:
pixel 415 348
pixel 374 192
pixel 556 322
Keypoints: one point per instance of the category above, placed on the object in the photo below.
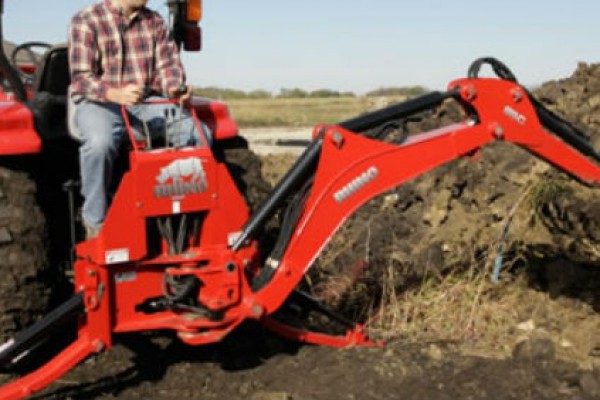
pixel 534 349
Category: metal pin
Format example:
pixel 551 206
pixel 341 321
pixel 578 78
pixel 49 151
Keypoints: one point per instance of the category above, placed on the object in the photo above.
pixel 166 111
pixel 147 133
pixel 174 123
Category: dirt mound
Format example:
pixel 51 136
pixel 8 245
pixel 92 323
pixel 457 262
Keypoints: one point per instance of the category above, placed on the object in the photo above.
pixel 576 97
pixel 24 290
pixel 506 209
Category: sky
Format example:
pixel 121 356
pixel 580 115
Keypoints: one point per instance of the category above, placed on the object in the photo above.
pixel 359 45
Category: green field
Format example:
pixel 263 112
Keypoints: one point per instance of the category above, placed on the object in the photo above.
pixel 251 113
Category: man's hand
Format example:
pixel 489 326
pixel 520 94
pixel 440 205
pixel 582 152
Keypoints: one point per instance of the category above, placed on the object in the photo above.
pixel 181 94
pixel 125 96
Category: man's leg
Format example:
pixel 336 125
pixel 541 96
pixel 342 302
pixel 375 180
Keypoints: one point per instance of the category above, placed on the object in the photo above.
pixel 102 133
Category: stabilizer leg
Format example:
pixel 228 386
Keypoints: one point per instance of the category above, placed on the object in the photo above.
pixel 355 333
pixel 23 342
pixel 51 371
pixel 353 337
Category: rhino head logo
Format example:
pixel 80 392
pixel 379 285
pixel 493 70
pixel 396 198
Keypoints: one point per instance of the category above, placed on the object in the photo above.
pixel 180 178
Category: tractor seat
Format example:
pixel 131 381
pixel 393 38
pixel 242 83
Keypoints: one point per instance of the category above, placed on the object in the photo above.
pixel 52 101
pixel 49 102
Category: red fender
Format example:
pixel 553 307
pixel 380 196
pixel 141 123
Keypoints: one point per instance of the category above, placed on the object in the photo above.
pixel 17 130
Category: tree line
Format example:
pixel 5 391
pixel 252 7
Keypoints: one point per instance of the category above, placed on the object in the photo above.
pixel 214 92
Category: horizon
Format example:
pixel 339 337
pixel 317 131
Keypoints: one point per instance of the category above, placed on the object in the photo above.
pixel 358 46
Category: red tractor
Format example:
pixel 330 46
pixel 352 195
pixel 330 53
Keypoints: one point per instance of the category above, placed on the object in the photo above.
pixel 180 248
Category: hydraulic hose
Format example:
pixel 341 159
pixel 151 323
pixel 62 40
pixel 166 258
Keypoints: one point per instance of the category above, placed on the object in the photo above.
pixel 552 122
pixel 499 68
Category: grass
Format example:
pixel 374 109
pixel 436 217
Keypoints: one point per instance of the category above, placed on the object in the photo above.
pixel 544 191
pixel 461 308
pixel 486 319
pixel 272 112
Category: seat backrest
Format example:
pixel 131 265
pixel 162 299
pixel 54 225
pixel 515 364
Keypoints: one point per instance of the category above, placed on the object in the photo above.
pixel 53 76
pixel 51 102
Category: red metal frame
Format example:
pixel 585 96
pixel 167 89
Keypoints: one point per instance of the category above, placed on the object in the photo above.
pixel 53 370
pixel 117 270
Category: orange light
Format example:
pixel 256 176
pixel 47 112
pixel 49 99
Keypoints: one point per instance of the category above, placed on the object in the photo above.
pixel 194 10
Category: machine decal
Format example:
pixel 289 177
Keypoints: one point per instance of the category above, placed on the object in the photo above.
pixel 515 115
pixel 356 184
pixel 180 178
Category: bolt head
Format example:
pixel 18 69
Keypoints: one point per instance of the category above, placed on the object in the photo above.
pixel 499 132
pixel 469 92
pixel 257 310
pixel 99 346
pixel 338 139
pixel 517 95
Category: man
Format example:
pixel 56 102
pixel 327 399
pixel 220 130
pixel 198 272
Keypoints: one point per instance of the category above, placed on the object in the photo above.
pixel 119 54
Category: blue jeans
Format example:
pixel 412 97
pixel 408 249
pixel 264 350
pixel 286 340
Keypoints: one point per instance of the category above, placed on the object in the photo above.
pixel 103 133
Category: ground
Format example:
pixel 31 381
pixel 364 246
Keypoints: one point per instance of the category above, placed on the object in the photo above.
pixel 255 365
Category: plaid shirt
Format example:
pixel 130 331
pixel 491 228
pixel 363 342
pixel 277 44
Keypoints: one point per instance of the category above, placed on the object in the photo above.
pixel 106 50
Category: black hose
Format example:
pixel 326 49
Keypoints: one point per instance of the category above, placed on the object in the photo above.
pixel 551 121
pixel 180 289
pixel 499 68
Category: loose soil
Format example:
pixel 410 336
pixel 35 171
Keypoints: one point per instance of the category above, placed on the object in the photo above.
pixel 254 365
pixel 532 336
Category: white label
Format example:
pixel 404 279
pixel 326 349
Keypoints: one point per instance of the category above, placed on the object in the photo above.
pixel 116 256
pixel 176 207
pixel 233 237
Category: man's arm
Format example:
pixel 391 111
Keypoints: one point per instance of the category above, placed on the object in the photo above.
pixel 82 46
pixel 169 73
